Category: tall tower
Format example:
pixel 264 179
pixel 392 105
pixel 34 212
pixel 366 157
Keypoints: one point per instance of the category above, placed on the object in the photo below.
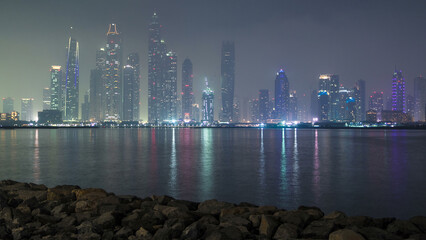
pixel 156 56
pixel 208 105
pixel 170 84
pixel 323 105
pixel 359 91
pixel 56 88
pixel 134 90
pixel 228 80
pixel 27 113
pixel 330 84
pixel 282 96
pixel 72 81
pixel 97 87
pixel 187 92
pixel 8 106
pixel 112 79
pixel 46 99
pixel 420 98
pixel 398 92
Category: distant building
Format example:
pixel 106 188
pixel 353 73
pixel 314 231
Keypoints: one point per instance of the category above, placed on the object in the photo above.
pixel 254 110
pixel 344 94
pixel 228 80
pixel 359 96
pixel 85 108
pixel 13 116
pixel 330 84
pixel 208 105
pixel 170 87
pixel 351 109
pixel 420 98
pixel 376 103
pixel 371 116
pixel 282 96
pixel 50 117
pixel 410 105
pixel 27 113
pixel 8 105
pixel 97 87
pixel 396 116
pixel 293 107
pixel 263 105
pixel 131 88
pixel 314 105
pixel 398 92
pixel 323 106
pixel 46 98
pixel 56 90
pixel 187 92
pixel 196 112
pixel 236 114
pixel 112 99
pixel 72 80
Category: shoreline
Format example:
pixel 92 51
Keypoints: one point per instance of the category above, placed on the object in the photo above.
pixel 33 211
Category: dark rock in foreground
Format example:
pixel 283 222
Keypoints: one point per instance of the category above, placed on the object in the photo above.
pixel 31 211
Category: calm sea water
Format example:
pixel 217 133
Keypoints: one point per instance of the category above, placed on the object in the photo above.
pixel 361 172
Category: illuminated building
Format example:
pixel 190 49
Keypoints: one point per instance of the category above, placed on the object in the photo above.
pixel 292 107
pixel 314 105
pixel 46 98
pixel 351 109
pixel 254 110
pixel 208 105
pixel 27 113
pixel 359 95
pixel 97 87
pixel 72 81
pixel 196 112
pixel 85 108
pixel 9 117
pixel 376 101
pixel 8 105
pixel 323 105
pixel 228 80
pixel 395 116
pixel 56 88
pixel 112 101
pixel 410 104
pixel 131 88
pixel 371 116
pixel 170 87
pixel 282 96
pixel 236 110
pixel 156 85
pixel 330 84
pixel 187 92
pixel 420 98
pixel 50 117
pixel 398 92
pixel 263 105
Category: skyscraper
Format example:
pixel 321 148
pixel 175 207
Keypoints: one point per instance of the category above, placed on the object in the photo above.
pixel 56 88
pixel 351 109
pixel 85 108
pixel 398 92
pixel 170 84
pixel 208 105
pixel 8 105
pixel 344 94
pixel 420 98
pixel 254 110
pixel 323 105
pixel 112 79
pixel 359 96
pixel 27 113
pixel 236 111
pixel 314 105
pixel 330 84
pixel 97 87
pixel 410 105
pixel 72 81
pixel 156 56
pixel 46 99
pixel 264 105
pixel 228 80
pixel 187 92
pixel 292 106
pixel 282 96
pixel 133 61
pixel 376 101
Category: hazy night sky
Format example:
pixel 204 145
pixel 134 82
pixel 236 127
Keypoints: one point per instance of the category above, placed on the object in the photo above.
pixel 355 39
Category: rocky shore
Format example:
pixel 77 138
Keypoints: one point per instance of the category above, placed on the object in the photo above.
pixel 31 211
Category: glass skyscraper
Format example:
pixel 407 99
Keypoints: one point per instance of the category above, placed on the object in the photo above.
pixel 56 88
pixel 264 105
pixel 8 105
pixel 208 105
pixel 97 87
pixel 398 92
pixel 282 96
pixel 420 98
pixel 170 87
pixel 228 80
pixel 187 92
pixel 72 81
pixel 112 102
pixel 330 84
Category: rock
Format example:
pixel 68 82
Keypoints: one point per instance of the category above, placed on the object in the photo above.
pixel 225 234
pixel 213 207
pixel 89 194
pixel 318 229
pixel 382 222
pixel 89 236
pixel 345 234
pixel 162 233
pixel 234 221
pixel 84 206
pixel 298 218
pixel 143 234
pixel 417 237
pixel 151 219
pixel 62 193
pixel 420 222
pixel 358 221
pixel 235 211
pixel 183 204
pixel 315 212
pixel 67 224
pixel 27 194
pixel 109 200
pixel 403 228
pixel 82 216
pixel 163 200
pixel 377 234
pixel 105 221
pixel 268 210
pixel 193 231
pixel 255 220
pixel 268 226
pixel 209 219
pixel 286 231
pixel 133 220
pixel 124 232
pixel 87 227
pixel 108 235
pixel 336 215
pixel 20 233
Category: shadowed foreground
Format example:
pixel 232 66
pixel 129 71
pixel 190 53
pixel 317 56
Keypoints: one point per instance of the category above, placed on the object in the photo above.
pixel 31 211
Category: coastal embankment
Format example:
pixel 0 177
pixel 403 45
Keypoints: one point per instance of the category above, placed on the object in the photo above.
pixel 32 211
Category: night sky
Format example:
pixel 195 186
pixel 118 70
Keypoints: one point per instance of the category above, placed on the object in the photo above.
pixel 355 39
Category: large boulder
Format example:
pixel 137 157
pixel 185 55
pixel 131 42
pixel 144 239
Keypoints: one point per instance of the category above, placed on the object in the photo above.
pixel 403 228
pixel 345 234
pixel 318 229
pixel 92 194
pixel 377 234
pixel 213 207
pixel 62 193
pixel 286 231
pixel 268 226
pixel 420 222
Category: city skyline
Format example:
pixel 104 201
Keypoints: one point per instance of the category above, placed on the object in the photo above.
pixel 259 78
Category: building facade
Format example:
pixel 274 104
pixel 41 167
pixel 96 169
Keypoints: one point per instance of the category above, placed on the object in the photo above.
pixel 72 81
pixel 97 87
pixel 398 92
pixel 420 98
pixel 330 84
pixel 27 110
pixel 170 87
pixel 208 105
pixel 282 96
pixel 187 91
pixel 8 105
pixel 228 80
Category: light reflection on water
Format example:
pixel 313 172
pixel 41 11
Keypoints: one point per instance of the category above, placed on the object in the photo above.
pixel 361 172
